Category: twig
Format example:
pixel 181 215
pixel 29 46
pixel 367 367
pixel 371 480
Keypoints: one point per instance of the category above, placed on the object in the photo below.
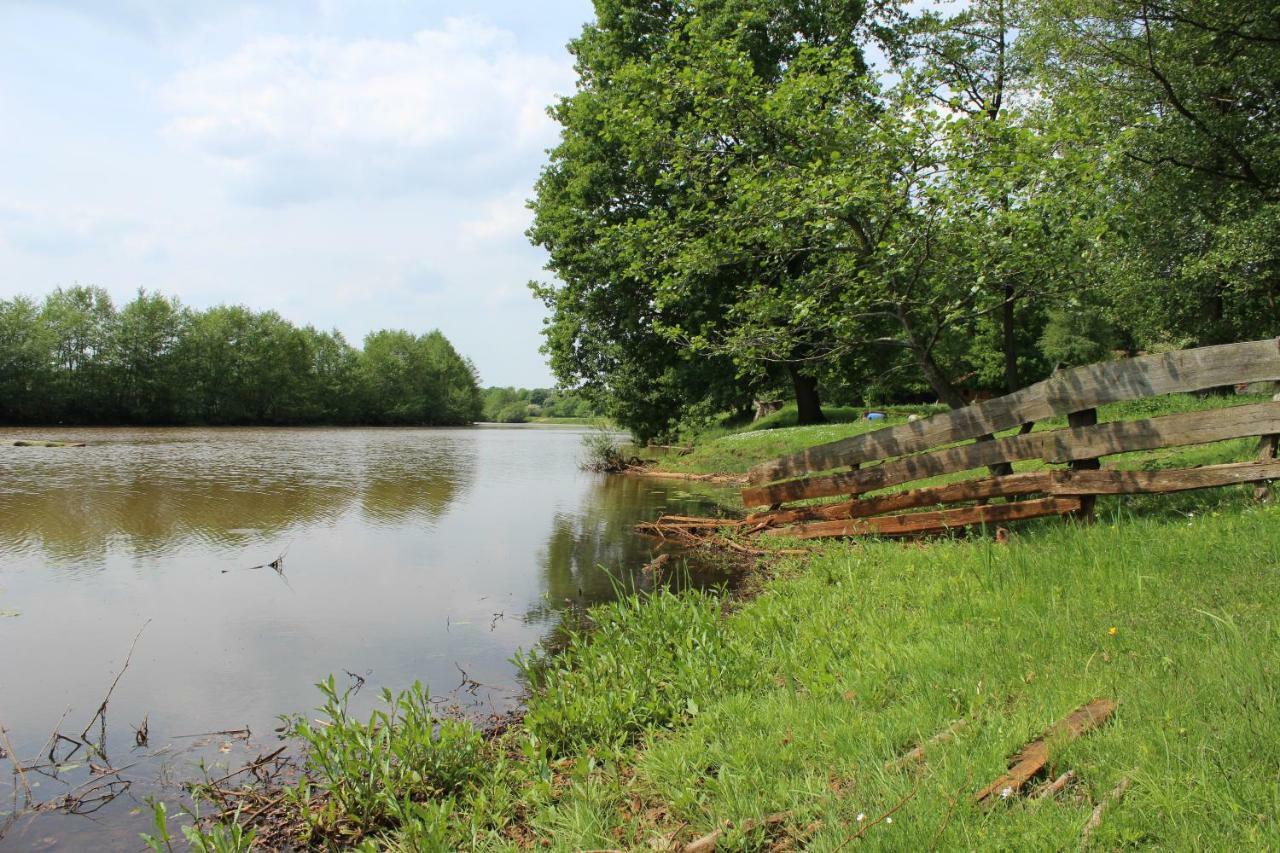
pixel 1095 819
pixel 266 759
pixel 101 713
pixel 243 734
pixel 863 831
pixel 17 765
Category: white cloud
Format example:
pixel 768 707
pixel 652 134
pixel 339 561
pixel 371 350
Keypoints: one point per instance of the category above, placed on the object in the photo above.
pixel 505 217
pixel 297 118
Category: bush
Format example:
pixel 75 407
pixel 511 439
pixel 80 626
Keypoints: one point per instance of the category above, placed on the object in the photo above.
pixel 512 413
pixel 602 453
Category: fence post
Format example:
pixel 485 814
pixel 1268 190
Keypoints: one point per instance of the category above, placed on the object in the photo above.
pixel 1268 448
pixel 1085 418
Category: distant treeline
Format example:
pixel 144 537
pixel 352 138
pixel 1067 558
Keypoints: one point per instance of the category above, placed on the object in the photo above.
pixel 77 358
pixel 517 405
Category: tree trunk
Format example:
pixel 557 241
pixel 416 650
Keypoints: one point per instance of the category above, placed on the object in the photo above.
pixel 933 374
pixel 808 406
pixel 1010 342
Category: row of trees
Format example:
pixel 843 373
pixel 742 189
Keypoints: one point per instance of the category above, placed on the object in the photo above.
pixel 76 358
pixel 517 405
pixel 739 200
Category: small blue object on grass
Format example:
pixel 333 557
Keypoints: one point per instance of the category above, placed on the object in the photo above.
pixel 875 416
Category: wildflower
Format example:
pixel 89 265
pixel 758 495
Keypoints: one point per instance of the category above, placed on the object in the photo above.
pixel 1112 630
pixel 1006 792
pixel 888 820
pixel 862 816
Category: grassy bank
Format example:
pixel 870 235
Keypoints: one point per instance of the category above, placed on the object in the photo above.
pixel 676 713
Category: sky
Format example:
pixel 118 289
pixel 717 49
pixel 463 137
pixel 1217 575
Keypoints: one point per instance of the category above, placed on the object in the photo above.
pixel 352 165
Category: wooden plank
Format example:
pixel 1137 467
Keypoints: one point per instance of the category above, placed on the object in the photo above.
pixel 1268 448
pixel 1161 482
pixel 1065 445
pixel 930 522
pixel 1066 391
pixel 1032 758
pixel 1085 418
pixel 988 487
pixel 1086 482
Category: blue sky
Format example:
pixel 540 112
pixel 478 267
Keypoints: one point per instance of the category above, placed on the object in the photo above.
pixel 353 165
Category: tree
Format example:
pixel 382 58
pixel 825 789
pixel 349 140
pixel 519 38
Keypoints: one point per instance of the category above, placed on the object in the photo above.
pixel 80 322
pixel 144 373
pixel 26 357
pixel 1185 97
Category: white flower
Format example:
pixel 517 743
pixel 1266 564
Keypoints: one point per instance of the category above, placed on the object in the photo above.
pixel 1006 793
pixel 861 817
pixel 888 820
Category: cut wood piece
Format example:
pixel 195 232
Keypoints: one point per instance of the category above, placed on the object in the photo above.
pixel 1063 445
pixel 930 522
pixel 1033 757
pixel 1066 391
pixel 1052 789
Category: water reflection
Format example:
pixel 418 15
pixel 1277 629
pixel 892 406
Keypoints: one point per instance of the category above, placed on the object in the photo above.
pixel 153 492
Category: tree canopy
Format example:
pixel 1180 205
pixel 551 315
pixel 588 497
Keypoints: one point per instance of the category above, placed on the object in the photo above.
pixel 75 358
pixel 740 201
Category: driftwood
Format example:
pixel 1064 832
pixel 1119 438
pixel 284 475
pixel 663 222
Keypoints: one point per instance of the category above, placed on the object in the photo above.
pixel 1033 757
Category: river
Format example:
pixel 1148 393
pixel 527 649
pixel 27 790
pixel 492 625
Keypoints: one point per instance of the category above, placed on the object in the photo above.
pixel 407 554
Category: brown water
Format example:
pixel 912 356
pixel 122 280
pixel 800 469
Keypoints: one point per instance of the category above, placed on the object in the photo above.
pixel 409 554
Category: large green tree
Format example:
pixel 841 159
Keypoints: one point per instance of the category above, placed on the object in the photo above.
pixel 1184 96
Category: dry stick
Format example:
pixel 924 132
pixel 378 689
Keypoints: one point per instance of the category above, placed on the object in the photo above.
pixel 1095 819
pixel 861 832
pixel 243 733
pixel 251 766
pixel 17 765
pixel 101 713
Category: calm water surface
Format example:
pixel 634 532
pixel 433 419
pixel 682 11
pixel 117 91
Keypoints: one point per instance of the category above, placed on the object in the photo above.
pixel 409 554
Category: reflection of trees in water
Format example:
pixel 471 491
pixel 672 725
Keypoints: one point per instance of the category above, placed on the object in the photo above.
pixel 150 511
pixel 591 553
pixel 404 480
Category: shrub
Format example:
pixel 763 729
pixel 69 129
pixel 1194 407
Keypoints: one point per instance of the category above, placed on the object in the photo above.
pixel 399 768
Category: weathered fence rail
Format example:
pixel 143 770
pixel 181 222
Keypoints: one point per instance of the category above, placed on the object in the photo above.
pixel 931 447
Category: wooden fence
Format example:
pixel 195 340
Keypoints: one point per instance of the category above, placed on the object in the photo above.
pixel 931 447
